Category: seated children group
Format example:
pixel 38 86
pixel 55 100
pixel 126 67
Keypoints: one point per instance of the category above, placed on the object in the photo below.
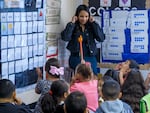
pixel 120 88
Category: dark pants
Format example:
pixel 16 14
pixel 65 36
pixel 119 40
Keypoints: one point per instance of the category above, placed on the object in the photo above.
pixel 75 60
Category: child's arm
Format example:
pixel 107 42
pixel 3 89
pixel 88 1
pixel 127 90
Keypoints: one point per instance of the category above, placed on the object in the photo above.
pixel 39 73
pixel 40 77
pixel 122 76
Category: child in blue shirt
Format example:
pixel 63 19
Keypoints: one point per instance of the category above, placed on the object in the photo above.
pixel 111 94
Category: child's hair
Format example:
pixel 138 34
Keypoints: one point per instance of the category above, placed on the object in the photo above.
pixel 84 70
pixel 76 103
pixel 52 67
pixel 50 100
pixel 103 79
pixel 112 73
pixel 110 90
pixel 6 88
pixel 133 64
pixel 81 8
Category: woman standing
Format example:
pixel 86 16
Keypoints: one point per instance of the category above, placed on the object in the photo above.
pixel 82 24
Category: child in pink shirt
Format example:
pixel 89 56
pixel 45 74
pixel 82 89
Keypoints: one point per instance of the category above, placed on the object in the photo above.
pixel 83 81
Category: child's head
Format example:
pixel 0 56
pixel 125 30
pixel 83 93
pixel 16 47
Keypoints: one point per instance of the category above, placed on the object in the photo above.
pixel 83 71
pixel 130 64
pixel 110 90
pixel 112 73
pixel 58 92
pixel 101 82
pixel 7 89
pixel 52 67
pixel 76 103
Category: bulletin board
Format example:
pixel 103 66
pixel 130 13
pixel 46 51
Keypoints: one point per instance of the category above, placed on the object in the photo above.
pixel 126 27
pixel 22 38
pixel 127 36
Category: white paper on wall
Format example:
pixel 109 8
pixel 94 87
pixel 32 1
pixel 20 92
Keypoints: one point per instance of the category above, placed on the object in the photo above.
pixel 115 47
pixel 52 12
pixel 23 16
pixel 35 61
pixel 29 27
pixel 139 14
pixel 140 38
pixel 139 31
pixel 124 3
pixel 35 39
pixel 139 48
pixel 34 15
pixel 140 23
pixel 30 51
pixel 23 27
pixel 24 64
pixel 118 23
pixel 17 28
pixel 118 38
pixel 11 54
pixel 53 3
pixel 5 69
pixel 11 68
pixel 24 52
pixel 3 17
pixel 29 16
pixel 17 16
pixel 4 55
pixel 111 55
pixel 4 42
pixel 105 3
pixel 10 28
pixel 30 40
pixel 24 40
pixel 18 54
pixel 11 41
pixel 120 14
pixel 10 17
pixel 38 3
pixel 4 29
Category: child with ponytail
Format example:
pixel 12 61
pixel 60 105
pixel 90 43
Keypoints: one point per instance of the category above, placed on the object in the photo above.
pixel 53 101
pixel 53 72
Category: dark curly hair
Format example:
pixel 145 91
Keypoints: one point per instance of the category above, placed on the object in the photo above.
pixel 133 89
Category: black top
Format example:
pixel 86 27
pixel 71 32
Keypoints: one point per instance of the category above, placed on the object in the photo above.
pixel 91 33
pixel 11 108
pixel 60 109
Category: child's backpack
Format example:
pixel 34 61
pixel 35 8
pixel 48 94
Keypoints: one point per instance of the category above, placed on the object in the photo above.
pixel 145 104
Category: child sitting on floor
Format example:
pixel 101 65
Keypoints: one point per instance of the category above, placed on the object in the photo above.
pixel 53 73
pixel 112 104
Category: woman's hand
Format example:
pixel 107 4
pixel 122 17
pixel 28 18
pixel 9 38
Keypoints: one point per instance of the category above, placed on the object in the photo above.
pixel 74 19
pixel 82 61
pixel 91 19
